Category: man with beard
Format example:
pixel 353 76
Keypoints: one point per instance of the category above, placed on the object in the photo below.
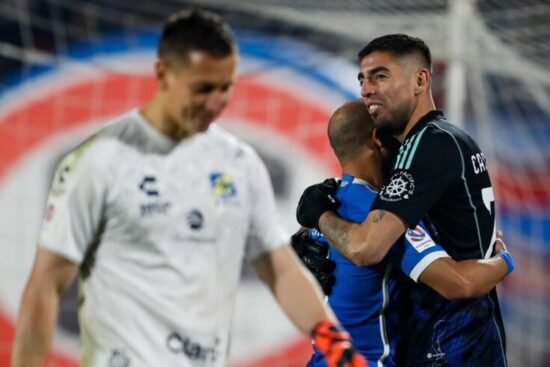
pixel 439 174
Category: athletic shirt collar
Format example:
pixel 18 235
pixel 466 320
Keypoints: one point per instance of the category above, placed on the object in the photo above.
pixel 349 179
pixel 429 117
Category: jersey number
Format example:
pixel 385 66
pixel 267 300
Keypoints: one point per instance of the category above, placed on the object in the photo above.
pixel 488 197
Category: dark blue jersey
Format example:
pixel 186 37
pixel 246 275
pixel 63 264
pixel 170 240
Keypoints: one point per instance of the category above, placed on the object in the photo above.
pixel 441 172
pixel 370 302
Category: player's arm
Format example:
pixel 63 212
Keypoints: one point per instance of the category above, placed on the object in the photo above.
pixel 50 278
pixel 468 278
pixel 363 243
pixel 427 166
pixel 302 300
pixel 294 288
pixel 74 214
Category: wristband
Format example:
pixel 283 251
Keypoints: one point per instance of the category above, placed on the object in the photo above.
pixel 509 261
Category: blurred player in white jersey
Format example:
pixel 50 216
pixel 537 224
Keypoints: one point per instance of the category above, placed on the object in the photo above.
pixel 156 213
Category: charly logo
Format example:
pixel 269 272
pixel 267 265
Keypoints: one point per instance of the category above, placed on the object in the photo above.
pixel 119 358
pixel 400 187
pixel 182 344
pixel 222 185
pixel 195 219
pixel 149 186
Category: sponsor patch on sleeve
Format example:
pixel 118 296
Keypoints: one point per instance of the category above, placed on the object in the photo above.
pixel 419 239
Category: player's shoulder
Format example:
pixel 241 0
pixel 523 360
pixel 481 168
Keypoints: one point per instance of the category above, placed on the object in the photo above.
pixel 442 130
pixel 230 145
pixel 98 149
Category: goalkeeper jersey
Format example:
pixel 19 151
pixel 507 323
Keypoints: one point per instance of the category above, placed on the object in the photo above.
pixel 371 302
pixel 160 230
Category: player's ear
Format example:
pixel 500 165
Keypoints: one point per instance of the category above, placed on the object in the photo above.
pixel 161 73
pixel 422 81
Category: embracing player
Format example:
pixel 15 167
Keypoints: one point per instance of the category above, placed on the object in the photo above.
pixel 440 172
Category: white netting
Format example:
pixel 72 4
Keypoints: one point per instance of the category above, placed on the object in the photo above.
pixel 492 62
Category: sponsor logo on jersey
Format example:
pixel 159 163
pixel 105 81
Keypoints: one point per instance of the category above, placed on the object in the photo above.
pixel 149 186
pixel 417 234
pixel 222 185
pixel 401 187
pixel 200 352
pixel 419 239
pixel 195 219
pixel 119 358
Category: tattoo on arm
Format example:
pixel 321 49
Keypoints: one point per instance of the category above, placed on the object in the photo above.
pixel 336 230
pixel 379 216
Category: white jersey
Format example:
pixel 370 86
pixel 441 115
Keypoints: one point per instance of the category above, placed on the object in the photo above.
pixel 160 230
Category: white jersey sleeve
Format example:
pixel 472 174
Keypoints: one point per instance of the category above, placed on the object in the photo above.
pixel 420 252
pixel 74 206
pixel 266 231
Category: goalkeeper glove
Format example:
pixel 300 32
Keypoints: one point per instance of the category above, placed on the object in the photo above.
pixel 313 255
pixel 335 344
pixel 316 200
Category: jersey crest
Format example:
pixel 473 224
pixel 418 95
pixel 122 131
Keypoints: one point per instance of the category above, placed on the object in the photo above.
pixel 222 185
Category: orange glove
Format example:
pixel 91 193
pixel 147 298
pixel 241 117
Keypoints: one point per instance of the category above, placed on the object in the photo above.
pixel 335 344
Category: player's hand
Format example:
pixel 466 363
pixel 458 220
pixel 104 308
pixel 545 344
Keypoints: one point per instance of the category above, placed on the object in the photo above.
pixel 335 344
pixel 313 255
pixel 502 250
pixel 316 200
pixel 500 246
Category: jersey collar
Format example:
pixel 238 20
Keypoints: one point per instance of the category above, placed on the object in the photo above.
pixel 349 179
pixel 427 118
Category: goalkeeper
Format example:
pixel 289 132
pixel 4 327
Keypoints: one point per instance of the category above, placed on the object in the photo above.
pixel 156 213
pixel 371 302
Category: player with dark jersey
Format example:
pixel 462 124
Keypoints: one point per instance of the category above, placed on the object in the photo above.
pixel 440 173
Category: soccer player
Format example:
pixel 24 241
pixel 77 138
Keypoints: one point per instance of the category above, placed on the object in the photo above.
pixel 440 171
pixel 156 212
pixel 371 301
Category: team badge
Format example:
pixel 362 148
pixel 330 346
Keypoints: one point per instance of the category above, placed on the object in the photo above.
pixel 400 187
pixel 222 185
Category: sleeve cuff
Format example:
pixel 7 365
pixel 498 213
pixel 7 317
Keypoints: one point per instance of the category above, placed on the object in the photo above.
pixel 425 262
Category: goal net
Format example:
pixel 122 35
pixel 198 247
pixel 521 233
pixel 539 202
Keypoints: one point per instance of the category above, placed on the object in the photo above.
pixel 67 66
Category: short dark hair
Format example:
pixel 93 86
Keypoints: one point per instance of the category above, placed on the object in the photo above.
pixel 195 30
pixel 350 130
pixel 398 45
